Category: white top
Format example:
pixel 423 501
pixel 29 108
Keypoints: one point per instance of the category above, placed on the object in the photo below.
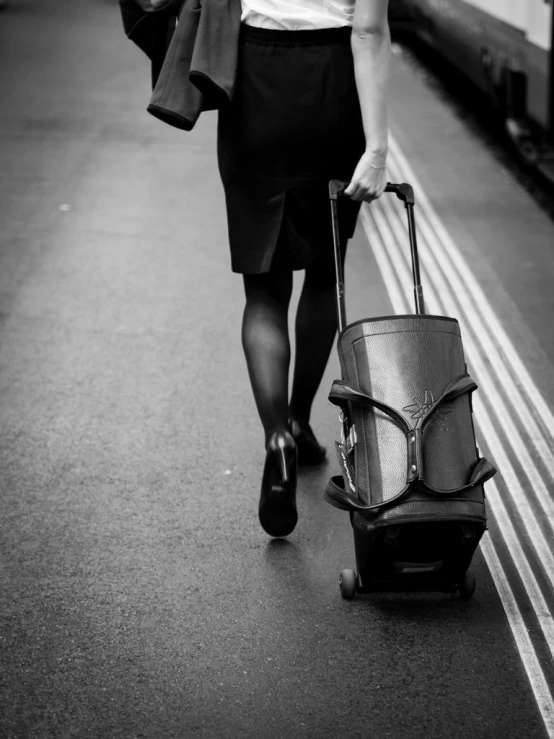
pixel 297 15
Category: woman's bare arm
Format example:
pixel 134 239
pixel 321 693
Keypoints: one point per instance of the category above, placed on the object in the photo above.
pixel 371 51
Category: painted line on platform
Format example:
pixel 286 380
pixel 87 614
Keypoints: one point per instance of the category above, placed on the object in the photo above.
pixel 524 645
pixel 451 289
pixel 528 579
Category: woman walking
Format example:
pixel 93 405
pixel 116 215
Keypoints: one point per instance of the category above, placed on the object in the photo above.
pixel 309 106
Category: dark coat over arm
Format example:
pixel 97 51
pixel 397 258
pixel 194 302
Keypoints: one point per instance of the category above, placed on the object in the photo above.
pixel 199 67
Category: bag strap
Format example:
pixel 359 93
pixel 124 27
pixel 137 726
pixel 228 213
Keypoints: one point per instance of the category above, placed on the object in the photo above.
pixel 342 393
pixel 482 472
pixel 457 387
pixel 336 494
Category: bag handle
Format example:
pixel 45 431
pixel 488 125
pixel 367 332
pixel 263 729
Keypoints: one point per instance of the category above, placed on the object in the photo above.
pixel 404 192
pixel 336 494
pixel 342 393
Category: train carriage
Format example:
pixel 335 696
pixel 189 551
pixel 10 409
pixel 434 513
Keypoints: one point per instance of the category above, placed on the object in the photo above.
pixel 505 48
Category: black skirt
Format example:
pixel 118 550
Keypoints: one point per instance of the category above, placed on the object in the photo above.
pixel 294 123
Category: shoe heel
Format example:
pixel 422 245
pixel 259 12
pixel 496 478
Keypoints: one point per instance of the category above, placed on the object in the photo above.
pixel 283 465
pixel 277 507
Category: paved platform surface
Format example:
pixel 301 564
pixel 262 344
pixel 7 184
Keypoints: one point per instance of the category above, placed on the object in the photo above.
pixel 139 596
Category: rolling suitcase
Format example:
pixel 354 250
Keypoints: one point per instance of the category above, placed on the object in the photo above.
pixel 412 477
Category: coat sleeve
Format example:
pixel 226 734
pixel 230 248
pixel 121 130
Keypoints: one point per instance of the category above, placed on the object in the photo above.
pixel 175 99
pixel 213 67
pixel 149 28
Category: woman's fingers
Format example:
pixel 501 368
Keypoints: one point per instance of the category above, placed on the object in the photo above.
pixel 364 192
pixel 351 189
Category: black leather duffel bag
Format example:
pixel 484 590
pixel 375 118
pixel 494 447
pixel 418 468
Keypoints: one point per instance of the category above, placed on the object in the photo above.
pixel 409 445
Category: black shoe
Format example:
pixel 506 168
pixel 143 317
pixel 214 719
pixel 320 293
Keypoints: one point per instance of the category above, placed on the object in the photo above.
pixel 277 509
pixel 310 451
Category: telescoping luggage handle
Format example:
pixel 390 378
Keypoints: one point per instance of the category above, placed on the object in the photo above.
pixel 404 192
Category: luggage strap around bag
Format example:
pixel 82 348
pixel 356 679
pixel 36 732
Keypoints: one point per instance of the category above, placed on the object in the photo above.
pixel 342 393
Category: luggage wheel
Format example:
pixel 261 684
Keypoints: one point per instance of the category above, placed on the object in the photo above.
pixel 348 584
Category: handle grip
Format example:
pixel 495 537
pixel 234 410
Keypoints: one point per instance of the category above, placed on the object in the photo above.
pixel 403 191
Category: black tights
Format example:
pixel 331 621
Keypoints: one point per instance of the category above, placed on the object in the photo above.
pixel 265 340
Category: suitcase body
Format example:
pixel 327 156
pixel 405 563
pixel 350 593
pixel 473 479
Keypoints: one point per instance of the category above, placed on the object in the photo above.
pixel 412 478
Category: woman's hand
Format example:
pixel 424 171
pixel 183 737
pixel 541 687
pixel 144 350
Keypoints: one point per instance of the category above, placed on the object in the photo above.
pixel 369 179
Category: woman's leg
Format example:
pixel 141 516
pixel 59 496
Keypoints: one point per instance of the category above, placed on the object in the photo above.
pixel 265 340
pixel 316 326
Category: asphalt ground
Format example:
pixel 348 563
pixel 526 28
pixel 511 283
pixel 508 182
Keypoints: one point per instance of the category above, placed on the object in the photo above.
pixel 140 598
